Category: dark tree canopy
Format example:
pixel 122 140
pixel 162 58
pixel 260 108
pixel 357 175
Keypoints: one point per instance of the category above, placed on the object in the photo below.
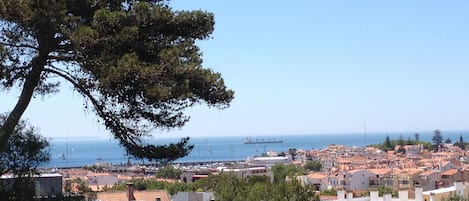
pixel 437 139
pixel 25 151
pixel 136 63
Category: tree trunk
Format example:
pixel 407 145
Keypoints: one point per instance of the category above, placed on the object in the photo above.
pixel 30 84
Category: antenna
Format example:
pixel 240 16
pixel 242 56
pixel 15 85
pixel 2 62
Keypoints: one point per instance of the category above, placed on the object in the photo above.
pixel 66 152
pixel 364 133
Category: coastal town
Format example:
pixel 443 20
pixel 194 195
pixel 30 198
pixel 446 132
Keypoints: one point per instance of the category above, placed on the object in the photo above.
pixel 150 100
pixel 408 172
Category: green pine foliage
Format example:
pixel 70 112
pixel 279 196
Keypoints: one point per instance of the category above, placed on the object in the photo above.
pixel 314 165
pixel 389 144
pixel 168 172
pixel 136 63
pixel 231 187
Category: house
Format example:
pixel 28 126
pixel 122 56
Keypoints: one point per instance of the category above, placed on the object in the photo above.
pixel 451 164
pixel 406 178
pixel 412 150
pixel 428 180
pixel 319 181
pixel 98 181
pixel 380 177
pixel 355 179
pixel 131 195
pixel 450 176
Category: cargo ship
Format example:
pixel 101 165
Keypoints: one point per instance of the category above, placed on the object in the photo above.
pixel 262 141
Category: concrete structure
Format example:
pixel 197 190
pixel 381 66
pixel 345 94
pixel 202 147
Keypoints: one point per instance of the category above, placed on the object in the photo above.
pixel 194 175
pixel 46 184
pixel 418 194
pixel 193 196
pixel 269 161
pixel 374 195
pixel 403 195
pixel 458 188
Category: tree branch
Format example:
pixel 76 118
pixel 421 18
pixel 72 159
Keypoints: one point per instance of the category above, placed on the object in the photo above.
pixel 19 45
pixel 74 82
pixel 124 134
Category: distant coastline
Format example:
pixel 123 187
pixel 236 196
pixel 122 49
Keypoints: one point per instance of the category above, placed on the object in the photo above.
pixel 84 151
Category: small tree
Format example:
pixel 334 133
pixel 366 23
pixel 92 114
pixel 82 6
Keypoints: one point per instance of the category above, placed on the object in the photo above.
pixel 461 144
pixel 437 139
pixel 455 197
pixel 25 151
pixel 314 165
pixel 168 172
pixel 409 141
pixel 281 171
pixel 401 144
pixel 448 141
pixel 388 144
pixel 417 136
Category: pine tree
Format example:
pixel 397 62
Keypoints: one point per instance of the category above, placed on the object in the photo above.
pixel 437 139
pixel 136 63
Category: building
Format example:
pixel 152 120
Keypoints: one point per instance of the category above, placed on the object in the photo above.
pixel 319 181
pixel 133 195
pixel 269 161
pixel 47 185
pixel 247 172
pixel 380 177
pixel 99 181
pixel 459 188
pixel 355 180
pixel 194 175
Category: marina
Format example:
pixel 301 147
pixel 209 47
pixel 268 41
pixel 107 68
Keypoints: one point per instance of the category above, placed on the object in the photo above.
pixel 262 141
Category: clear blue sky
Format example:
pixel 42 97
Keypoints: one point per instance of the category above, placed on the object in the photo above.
pixel 313 67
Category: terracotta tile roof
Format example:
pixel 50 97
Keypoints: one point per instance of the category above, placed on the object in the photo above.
pixel 317 176
pixel 139 195
pixel 380 171
pixel 450 172
pixel 428 172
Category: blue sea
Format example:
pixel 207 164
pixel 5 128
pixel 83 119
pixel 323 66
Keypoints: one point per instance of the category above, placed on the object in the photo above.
pixel 81 152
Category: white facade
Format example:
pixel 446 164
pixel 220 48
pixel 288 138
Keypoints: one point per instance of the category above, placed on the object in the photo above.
pixel 247 172
pixel 269 161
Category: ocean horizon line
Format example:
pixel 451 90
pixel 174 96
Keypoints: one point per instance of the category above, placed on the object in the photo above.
pixel 172 137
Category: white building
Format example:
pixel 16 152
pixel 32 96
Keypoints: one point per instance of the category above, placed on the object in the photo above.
pixel 248 172
pixel 269 161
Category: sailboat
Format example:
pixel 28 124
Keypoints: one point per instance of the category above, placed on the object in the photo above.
pixel 62 156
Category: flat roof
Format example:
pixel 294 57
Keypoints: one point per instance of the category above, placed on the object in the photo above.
pixel 9 176
pixel 271 158
pixel 441 190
